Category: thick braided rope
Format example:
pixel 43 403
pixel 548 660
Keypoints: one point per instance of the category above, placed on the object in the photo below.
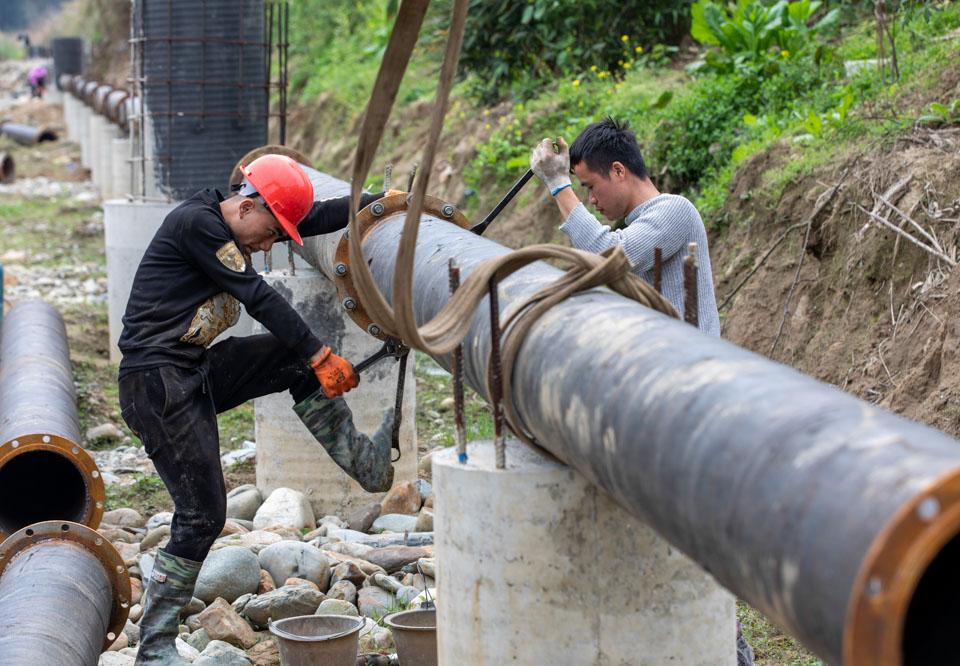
pixel 446 330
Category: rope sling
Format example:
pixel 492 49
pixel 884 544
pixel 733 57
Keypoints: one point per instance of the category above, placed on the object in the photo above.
pixel 442 334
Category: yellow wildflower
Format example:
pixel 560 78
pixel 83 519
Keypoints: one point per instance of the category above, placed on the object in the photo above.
pixel 576 83
pixel 624 38
pixel 639 49
pixel 784 54
pixel 593 68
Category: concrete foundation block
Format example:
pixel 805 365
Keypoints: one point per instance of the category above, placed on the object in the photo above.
pixel 69 125
pixel 287 454
pixel 104 152
pixel 83 134
pixel 538 566
pixel 129 227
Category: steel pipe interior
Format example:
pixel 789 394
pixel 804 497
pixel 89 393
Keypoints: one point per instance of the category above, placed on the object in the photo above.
pixel 929 636
pixel 41 485
pixel 8 168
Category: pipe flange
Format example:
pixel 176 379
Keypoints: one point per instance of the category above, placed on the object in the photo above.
pixel 90 540
pixel 236 176
pixel 76 455
pixel 375 214
pixel 892 570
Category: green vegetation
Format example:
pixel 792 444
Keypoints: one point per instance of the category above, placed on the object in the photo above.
pixel 559 38
pixel 9 48
pixel 146 494
pixel 770 645
pixel 435 418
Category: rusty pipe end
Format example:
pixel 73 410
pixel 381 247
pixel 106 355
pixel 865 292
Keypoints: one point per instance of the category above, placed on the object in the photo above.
pixel 88 539
pixel 48 477
pixel 8 169
pixel 903 609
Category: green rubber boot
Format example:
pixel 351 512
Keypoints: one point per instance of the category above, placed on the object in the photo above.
pixel 365 459
pixel 169 589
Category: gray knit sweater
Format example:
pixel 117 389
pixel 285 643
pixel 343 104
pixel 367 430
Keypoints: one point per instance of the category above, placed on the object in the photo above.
pixel 666 221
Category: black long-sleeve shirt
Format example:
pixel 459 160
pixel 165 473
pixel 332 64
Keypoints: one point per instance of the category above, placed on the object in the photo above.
pixel 192 278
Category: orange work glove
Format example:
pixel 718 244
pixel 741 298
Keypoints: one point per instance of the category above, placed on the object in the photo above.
pixel 390 193
pixel 335 373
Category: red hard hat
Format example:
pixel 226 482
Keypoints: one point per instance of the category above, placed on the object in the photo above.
pixel 285 188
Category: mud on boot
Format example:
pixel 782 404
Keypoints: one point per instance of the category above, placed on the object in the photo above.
pixel 365 459
pixel 169 589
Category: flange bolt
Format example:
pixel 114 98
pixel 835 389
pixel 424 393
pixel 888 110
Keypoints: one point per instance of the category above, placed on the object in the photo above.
pixel 377 209
pixel 349 304
pixel 341 269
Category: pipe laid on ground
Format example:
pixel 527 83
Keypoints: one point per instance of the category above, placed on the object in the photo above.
pixel 44 472
pixel 64 595
pixel 835 518
pixel 8 169
pixel 27 135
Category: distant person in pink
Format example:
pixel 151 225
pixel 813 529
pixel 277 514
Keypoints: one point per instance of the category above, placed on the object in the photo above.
pixel 38 81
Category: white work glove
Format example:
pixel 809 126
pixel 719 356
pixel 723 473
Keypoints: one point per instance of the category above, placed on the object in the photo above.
pixel 550 166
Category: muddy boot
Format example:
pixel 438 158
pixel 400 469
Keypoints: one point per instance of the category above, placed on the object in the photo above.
pixel 169 589
pixel 365 459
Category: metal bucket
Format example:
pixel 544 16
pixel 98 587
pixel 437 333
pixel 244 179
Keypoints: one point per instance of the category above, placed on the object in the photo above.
pixel 307 640
pixel 415 635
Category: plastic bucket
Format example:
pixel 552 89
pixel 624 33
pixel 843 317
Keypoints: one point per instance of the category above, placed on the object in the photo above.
pixel 308 640
pixel 415 634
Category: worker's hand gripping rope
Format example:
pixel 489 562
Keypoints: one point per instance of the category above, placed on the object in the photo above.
pixel 335 374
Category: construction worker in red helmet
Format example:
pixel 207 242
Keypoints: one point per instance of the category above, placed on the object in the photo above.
pixel 187 290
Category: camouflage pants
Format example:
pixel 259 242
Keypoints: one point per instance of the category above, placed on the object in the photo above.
pixel 174 411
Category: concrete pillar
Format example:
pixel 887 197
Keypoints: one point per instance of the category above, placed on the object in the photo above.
pixel 108 132
pixel 68 111
pixel 129 227
pixel 89 121
pixel 121 168
pixel 287 454
pixel 538 566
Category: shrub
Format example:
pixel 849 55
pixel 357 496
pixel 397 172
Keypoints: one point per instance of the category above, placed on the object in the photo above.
pixel 515 46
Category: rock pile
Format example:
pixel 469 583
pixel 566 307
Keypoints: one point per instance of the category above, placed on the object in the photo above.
pixel 274 560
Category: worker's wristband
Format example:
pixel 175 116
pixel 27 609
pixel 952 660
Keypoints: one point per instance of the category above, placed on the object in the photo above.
pixel 554 192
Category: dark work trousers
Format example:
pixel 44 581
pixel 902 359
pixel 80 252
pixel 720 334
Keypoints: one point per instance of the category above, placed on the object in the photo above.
pixel 174 411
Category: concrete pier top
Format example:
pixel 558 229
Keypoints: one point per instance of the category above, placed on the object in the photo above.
pixel 536 565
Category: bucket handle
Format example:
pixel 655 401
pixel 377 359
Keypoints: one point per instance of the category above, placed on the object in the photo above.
pixel 276 631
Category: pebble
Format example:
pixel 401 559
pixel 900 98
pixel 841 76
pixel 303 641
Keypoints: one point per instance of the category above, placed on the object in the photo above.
pixel 155 537
pixel 224 624
pixel 333 521
pixel 374 602
pixel 424 488
pixel 347 571
pixel 424 521
pixel 228 573
pixel 402 498
pixel 336 607
pixel 266 582
pixel 382 540
pixel 254 541
pixel 132 631
pixel 193 607
pixel 115 659
pixel 361 519
pixel 185 650
pixel 198 640
pixel 343 590
pixel 284 602
pixel 136 612
pixel 219 653
pixel 247 451
pixel 393 558
pixel 350 548
pixel 394 522
pixel 302 582
pixel 158 519
pixel 428 566
pixel 265 653
pixel 377 639
pixel 296 559
pixel 231 526
pixel 123 518
pixel 285 508
pixel 104 431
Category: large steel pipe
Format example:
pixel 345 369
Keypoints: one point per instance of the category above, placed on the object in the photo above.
pixel 64 595
pixel 835 518
pixel 44 472
pixel 27 135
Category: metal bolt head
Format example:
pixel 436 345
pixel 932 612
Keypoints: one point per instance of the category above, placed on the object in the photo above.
pixel 349 304
pixel 373 330
pixel 377 209
pixel 448 210
pixel 341 269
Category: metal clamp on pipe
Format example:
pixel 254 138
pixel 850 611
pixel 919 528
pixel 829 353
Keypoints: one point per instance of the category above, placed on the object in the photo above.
pixel 381 211
pixel 64 595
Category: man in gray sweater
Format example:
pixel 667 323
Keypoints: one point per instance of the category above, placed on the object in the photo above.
pixel 607 161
